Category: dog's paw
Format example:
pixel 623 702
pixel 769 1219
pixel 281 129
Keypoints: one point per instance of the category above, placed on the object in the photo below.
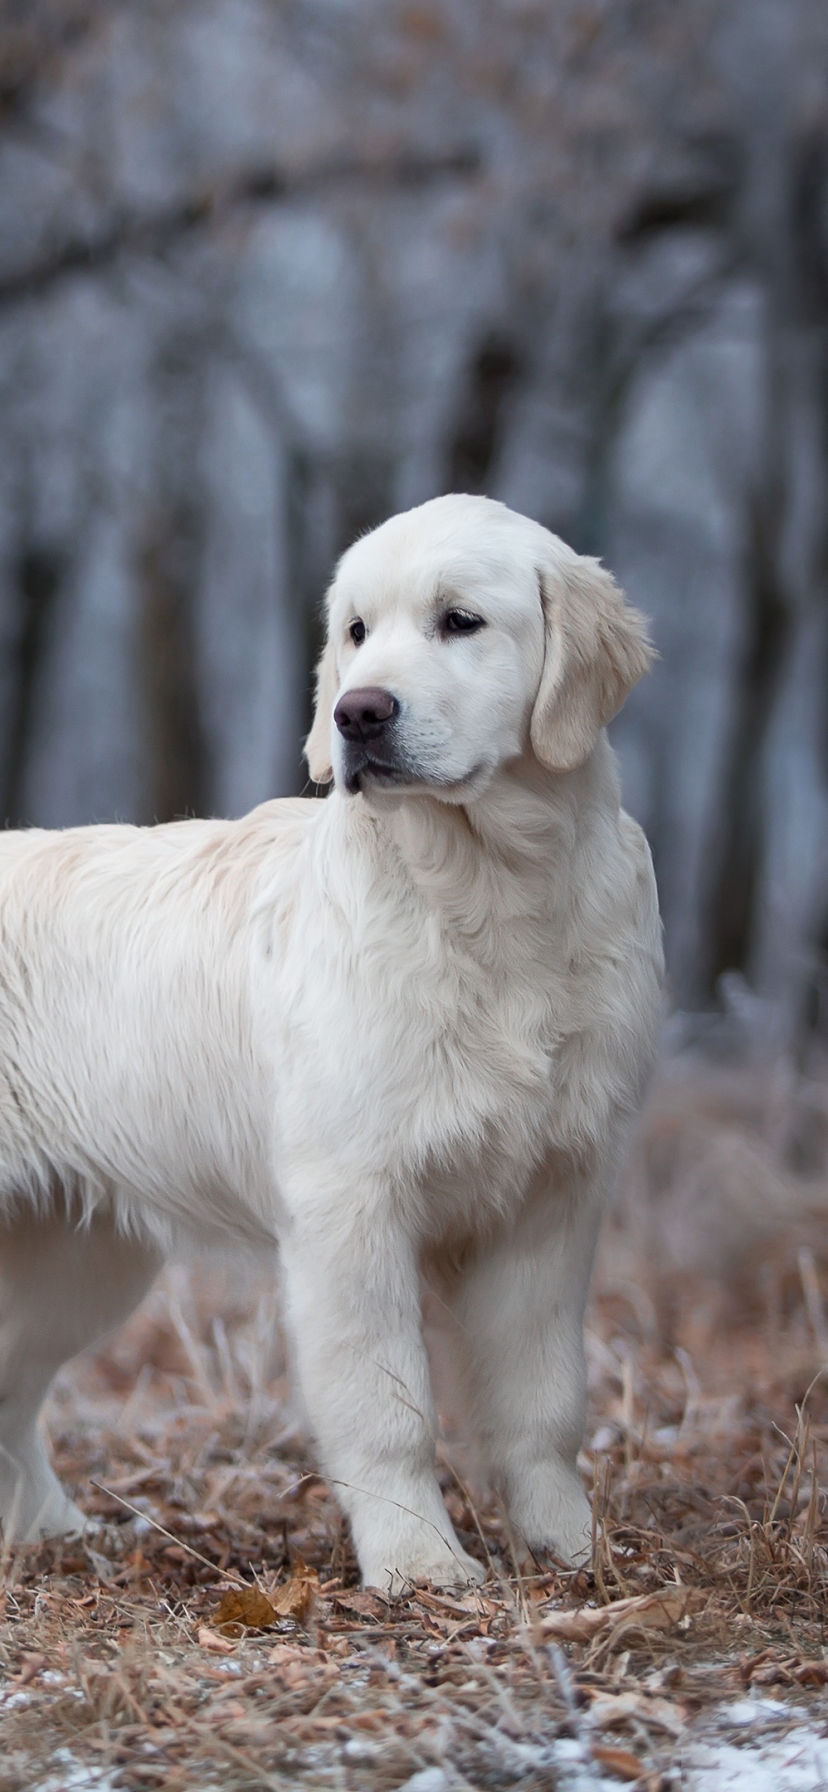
pixel 447 1567
pixel 33 1504
pixel 551 1514
pixel 41 1520
pixel 62 1520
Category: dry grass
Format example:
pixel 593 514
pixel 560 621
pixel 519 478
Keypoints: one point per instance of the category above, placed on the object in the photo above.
pixel 708 1444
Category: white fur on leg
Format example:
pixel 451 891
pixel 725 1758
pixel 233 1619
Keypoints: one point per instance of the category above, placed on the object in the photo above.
pixel 355 1319
pixel 522 1304
pixel 394 1555
pixel 32 1502
pixel 549 1510
pixel 61 1288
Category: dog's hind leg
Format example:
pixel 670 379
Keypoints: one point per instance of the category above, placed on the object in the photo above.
pixel 62 1286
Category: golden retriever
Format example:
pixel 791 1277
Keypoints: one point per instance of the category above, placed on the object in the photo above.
pixel 400 1031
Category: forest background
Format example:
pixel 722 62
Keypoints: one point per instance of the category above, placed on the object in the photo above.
pixel 271 270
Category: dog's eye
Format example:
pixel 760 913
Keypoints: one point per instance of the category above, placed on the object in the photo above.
pixel 357 631
pixel 461 622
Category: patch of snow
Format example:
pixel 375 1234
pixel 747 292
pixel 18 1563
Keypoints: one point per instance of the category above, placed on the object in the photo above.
pixel 359 1751
pixel 755 1712
pixel 74 1776
pixel 575 1772
pixel 761 1760
pixel 429 1779
pixel 797 1762
pixel 12 1698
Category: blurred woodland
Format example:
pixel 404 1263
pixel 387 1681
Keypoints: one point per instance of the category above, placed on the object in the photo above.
pixel 273 269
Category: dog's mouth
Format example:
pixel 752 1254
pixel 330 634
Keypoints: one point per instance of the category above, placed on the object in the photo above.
pixel 366 768
pixel 366 773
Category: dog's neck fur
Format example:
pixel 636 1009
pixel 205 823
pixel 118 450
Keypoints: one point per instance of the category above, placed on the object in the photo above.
pixel 527 818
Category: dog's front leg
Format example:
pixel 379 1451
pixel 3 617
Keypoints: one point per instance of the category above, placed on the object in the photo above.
pixel 521 1304
pixel 354 1313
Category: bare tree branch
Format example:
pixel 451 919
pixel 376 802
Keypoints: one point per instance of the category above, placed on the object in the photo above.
pixel 155 232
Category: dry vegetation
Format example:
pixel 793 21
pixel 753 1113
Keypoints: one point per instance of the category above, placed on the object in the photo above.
pixel 708 1442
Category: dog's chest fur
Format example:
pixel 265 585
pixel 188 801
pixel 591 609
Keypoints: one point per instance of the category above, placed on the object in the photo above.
pixel 506 1014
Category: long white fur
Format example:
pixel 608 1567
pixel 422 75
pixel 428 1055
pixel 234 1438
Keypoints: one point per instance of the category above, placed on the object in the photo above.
pixel 401 1032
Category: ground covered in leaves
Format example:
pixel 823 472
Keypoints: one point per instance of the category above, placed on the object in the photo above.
pixel 215 1634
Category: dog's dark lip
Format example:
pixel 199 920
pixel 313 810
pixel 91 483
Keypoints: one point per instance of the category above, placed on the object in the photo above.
pixel 377 770
pixel 404 779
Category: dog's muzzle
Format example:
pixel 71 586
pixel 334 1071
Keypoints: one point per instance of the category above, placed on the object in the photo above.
pixel 365 719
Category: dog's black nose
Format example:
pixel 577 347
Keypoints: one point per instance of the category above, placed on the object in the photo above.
pixel 362 715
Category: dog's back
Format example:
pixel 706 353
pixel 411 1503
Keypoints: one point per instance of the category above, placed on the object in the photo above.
pixel 128 1074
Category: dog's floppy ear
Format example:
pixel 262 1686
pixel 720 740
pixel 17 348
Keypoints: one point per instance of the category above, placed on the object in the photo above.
pixel 595 650
pixel 318 743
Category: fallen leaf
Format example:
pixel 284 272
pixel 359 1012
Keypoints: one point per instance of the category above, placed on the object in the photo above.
pixel 32 1666
pixel 811 1673
pixel 366 1605
pixel 645 1611
pixel 610 1709
pixel 294 1675
pixel 245 1608
pixel 296 1599
pixel 458 1608
pixel 287 1652
pixel 210 1639
pixel 618 1761
pixel 771 1673
pixel 307 1728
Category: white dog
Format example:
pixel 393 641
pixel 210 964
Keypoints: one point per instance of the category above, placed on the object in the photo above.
pixel 402 1031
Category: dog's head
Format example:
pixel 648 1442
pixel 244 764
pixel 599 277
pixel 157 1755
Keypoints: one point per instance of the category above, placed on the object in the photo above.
pixel 459 635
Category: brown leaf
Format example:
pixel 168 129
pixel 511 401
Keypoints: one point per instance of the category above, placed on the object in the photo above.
pixel 295 1666
pixel 210 1639
pixel 811 1673
pixel 296 1599
pixel 645 1611
pixel 377 1721
pixel 287 1652
pixel 366 1605
pixel 32 1666
pixel 245 1608
pixel 771 1673
pixel 607 1710
pixel 474 1607
pixel 618 1761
